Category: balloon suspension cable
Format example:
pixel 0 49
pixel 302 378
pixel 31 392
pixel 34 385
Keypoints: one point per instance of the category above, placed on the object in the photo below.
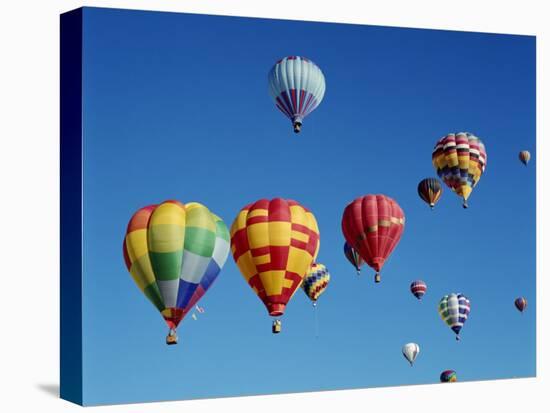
pixel 316 319
pixel 377 277
pixel 297 127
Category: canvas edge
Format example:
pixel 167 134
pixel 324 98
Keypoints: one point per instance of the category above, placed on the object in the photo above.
pixel 71 374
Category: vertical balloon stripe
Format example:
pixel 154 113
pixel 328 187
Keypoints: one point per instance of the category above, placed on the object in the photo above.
pixel 136 254
pixel 166 234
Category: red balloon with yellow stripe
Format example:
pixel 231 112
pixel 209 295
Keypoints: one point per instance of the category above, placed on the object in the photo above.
pixel 373 225
pixel 274 242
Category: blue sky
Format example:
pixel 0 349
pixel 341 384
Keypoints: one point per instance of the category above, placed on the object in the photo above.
pixel 176 107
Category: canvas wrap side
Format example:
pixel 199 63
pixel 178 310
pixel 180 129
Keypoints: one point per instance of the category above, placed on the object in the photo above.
pixel 71 206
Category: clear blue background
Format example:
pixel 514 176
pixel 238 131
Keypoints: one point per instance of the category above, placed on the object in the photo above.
pixel 176 106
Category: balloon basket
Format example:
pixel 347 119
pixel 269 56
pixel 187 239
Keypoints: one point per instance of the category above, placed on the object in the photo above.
pixel 377 278
pixel 276 327
pixel 172 337
pixel 297 127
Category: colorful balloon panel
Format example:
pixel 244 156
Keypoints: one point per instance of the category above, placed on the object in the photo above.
pixel 316 281
pixel 274 242
pixel 373 225
pixel 430 191
pixel 460 160
pixel 418 288
pixel 353 257
pixel 454 310
pixel 297 86
pixel 521 304
pixel 174 252
pixel 524 157
pixel 448 376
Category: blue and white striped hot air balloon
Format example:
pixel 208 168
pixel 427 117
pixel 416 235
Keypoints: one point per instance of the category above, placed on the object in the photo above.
pixel 454 309
pixel 297 85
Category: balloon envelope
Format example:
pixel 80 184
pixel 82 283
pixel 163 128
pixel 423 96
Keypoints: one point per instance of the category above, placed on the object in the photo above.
pixel 174 252
pixel 410 352
pixel 353 257
pixel 460 160
pixel 274 242
pixel 373 225
pixel 419 288
pixel 524 157
pixel 316 281
pixel 448 376
pixel 521 304
pixel 454 310
pixel 297 86
pixel 430 191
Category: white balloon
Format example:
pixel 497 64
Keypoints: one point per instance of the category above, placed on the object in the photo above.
pixel 411 351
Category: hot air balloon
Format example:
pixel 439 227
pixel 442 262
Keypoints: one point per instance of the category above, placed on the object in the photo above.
pixel 410 351
pixel 274 242
pixel 316 281
pixel 297 85
pixel 372 225
pixel 418 288
pixel 524 157
pixel 460 160
pixel 353 257
pixel 454 310
pixel 521 304
pixel 174 253
pixel 430 191
pixel 448 376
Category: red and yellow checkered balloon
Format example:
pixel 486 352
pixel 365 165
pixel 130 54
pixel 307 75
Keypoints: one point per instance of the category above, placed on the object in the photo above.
pixel 274 242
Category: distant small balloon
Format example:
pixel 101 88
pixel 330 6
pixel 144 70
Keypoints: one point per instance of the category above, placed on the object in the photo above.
pixel 524 157
pixel 448 376
pixel 315 281
pixel 353 257
pixel 418 288
pixel 521 304
pixel 410 352
pixel 430 191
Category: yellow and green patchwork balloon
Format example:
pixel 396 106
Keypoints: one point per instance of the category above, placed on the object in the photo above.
pixel 174 253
